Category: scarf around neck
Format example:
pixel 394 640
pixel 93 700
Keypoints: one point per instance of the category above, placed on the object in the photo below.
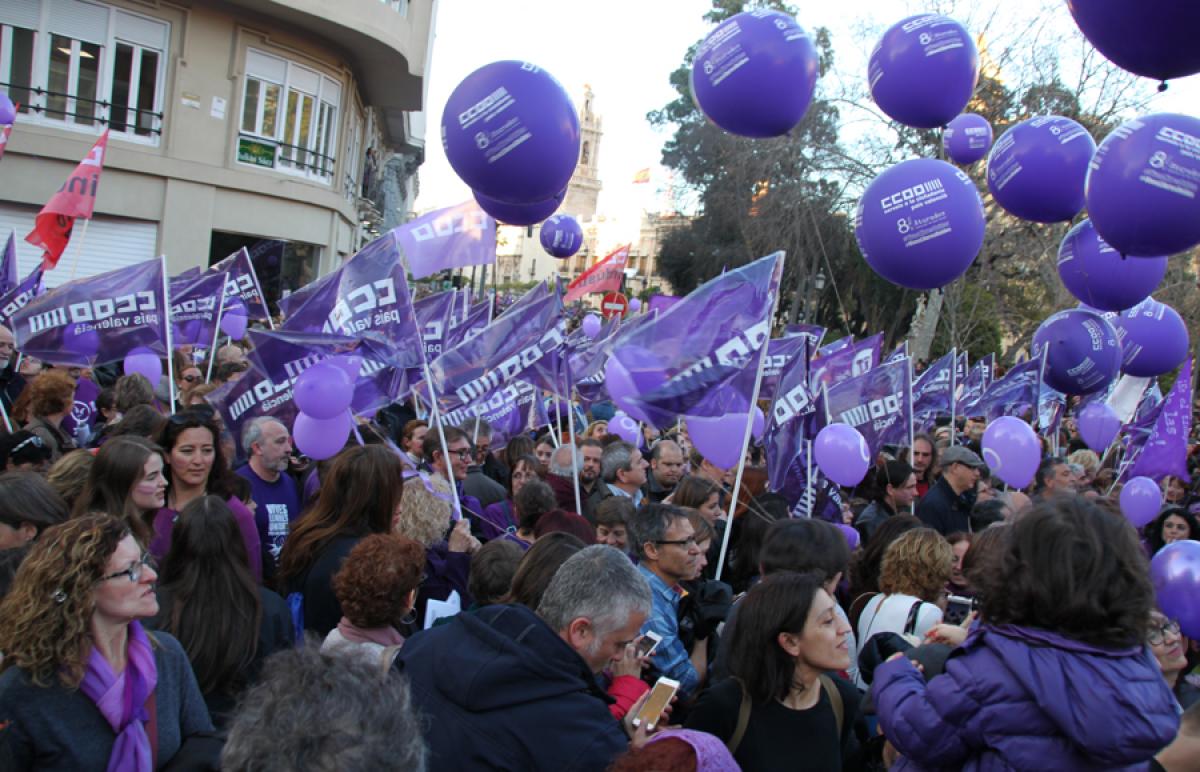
pixel 121 699
pixel 384 636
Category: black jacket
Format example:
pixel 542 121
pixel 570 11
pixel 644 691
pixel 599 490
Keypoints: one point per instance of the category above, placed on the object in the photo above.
pixel 945 511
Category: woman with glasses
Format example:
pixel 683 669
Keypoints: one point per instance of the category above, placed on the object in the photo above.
pixel 1170 650
pixel 83 685
pixel 503 515
pixel 126 482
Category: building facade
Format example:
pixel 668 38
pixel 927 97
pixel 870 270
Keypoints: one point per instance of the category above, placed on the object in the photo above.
pixel 231 122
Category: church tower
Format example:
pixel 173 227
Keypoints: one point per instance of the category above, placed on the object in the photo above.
pixel 583 192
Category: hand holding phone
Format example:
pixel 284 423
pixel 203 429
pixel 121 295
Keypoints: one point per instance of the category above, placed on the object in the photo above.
pixel 660 697
pixel 648 643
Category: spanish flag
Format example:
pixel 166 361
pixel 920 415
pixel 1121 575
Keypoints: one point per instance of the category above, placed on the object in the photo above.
pixel 641 176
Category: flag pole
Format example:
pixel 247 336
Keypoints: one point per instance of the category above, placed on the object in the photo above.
pixel 574 447
pixel 82 239
pixel 4 413
pixel 953 401
pixel 912 419
pixel 258 287
pixel 167 329
pixel 436 415
pixel 212 354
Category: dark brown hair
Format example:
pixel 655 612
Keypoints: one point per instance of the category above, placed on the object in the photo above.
pixel 118 468
pixel 538 566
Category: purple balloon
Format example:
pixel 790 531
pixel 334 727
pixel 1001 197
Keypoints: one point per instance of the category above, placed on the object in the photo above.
pixel 1084 355
pixel 321 439
pixel 145 362
pixel 519 214
pixel 1175 572
pixel 1140 501
pixel 1143 190
pixel 8 111
pixel 850 533
pixel 234 319
pixel 754 75
pixel 635 305
pixel 760 423
pixel 1011 450
pixel 1153 38
pixel 920 224
pixel 626 428
pixel 923 71
pixel 630 371
pixel 718 438
pixel 842 454
pixel 561 235
pixel 1098 425
pixel 591 325
pixel 967 138
pixel 1037 169
pixel 511 133
pixel 323 391
pixel 1154 339
pixel 1097 275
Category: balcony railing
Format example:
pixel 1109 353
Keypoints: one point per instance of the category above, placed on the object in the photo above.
pixel 96 116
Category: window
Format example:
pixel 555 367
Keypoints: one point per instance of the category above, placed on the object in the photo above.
pixel 16 63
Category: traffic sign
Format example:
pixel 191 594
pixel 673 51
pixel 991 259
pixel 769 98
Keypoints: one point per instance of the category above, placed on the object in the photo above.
pixel 613 304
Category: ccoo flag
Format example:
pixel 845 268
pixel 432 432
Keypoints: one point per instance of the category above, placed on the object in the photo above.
pixel 604 276
pixel 8 265
pixel 76 198
pixel 242 282
pixel 453 237
pixel 19 296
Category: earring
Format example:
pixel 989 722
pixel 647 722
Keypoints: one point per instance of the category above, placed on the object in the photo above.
pixel 59 596
pixel 410 618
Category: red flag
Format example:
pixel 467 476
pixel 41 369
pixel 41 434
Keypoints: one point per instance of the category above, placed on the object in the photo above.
pixel 604 276
pixel 76 198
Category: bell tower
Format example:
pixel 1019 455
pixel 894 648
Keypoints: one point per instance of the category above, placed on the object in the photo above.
pixel 583 192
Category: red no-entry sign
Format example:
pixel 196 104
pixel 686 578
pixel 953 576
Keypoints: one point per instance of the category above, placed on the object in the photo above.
pixel 613 304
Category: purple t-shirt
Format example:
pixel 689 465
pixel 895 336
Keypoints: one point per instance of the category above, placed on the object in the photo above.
pixel 164 521
pixel 277 505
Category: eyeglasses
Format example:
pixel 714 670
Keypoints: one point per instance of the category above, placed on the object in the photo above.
pixel 1159 633
pixel 463 453
pixel 134 572
pixel 686 543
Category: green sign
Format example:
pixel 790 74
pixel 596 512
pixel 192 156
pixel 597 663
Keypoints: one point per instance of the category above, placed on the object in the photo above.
pixel 256 151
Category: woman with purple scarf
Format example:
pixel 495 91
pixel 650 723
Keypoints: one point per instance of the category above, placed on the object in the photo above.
pixel 82 685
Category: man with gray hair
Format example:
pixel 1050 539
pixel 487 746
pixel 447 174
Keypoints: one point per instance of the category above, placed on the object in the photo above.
pixel 508 688
pixel 622 473
pixel 268 444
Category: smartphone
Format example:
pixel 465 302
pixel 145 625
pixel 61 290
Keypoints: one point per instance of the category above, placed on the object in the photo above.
pixel 657 702
pixel 648 643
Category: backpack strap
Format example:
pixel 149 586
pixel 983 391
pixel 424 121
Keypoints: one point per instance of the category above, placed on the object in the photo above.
pixel 743 720
pixel 386 658
pixel 910 625
pixel 835 699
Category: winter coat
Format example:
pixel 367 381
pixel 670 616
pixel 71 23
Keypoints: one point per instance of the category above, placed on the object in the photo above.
pixel 1021 698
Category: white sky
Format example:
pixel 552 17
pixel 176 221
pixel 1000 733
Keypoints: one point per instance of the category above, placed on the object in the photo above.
pixel 626 50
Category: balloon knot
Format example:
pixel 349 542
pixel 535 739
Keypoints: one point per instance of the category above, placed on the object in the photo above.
pixel 1162 87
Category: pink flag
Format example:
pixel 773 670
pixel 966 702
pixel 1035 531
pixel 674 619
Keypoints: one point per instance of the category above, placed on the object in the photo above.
pixel 604 276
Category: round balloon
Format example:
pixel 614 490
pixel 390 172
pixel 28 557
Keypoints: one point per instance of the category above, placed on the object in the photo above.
pixel 145 362
pixel 850 533
pixel 323 391
pixel 626 428
pixel 519 214
pixel 1011 450
pixel 842 454
pixel 631 371
pixel 1083 354
pixel 8 111
pixel 923 71
pixel 920 224
pixel 1143 189
pixel 1097 275
pixel 967 138
pixel 1037 169
pixel 635 305
pixel 1175 572
pixel 320 439
pixel 754 75
pixel 1152 38
pixel 561 235
pixel 719 438
pixel 1098 425
pixel 760 423
pixel 234 319
pixel 590 325
pixel 511 133
pixel 1140 501
pixel 1154 339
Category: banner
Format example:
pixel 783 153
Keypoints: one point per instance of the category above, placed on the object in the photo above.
pixel 434 315
pixel 511 410
pixel 604 276
pixel 454 237
pixel 789 421
pixel 98 319
pixel 900 352
pixel 970 388
pixel 835 346
pixel 780 352
pixel 19 296
pixel 845 362
pixel 472 325
pixel 877 403
pixel 8 265
pixel 813 332
pixel 76 198
pixel 242 282
pixel 1166 450
pixel 195 304
pixel 933 393
pixel 1014 394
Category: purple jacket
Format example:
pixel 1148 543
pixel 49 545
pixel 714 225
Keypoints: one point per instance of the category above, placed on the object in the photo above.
pixel 1022 698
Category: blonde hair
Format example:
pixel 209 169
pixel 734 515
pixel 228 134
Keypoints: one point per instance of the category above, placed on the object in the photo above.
pixel 70 474
pixel 1086 459
pixel 590 432
pixel 424 517
pixel 918 563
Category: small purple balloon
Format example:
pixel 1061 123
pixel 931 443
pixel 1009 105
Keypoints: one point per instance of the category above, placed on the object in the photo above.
pixel 635 305
pixel 234 318
pixel 1098 425
pixel 1083 352
pixel 591 325
pixel 1011 450
pixel 320 439
pixel 323 391
pixel 511 133
pixel 718 438
pixel 1175 572
pixel 1140 501
pixel 630 371
pixel 967 138
pixel 1143 189
pixel 1154 339
pixel 8 111
pixel 145 362
pixel 1037 169
pixel 923 71
pixel 920 224
pixel 754 75
pixel 760 423
pixel 850 533
pixel 561 236
pixel 626 428
pixel 519 214
pixel 1097 275
pixel 842 454
pixel 1152 38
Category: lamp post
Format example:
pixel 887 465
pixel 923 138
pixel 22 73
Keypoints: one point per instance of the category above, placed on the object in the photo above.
pixel 816 282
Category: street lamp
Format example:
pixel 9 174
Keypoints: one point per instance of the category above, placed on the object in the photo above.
pixel 819 280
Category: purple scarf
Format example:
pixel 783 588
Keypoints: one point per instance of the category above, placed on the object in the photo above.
pixel 122 700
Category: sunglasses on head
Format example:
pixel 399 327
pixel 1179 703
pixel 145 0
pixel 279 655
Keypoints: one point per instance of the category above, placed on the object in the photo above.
pixel 187 415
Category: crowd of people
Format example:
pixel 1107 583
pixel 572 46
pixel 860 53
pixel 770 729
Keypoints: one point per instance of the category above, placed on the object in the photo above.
pixel 442 597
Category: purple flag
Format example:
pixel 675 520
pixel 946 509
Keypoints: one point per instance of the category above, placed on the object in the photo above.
pixel 8 265
pixel 661 303
pixel 780 352
pixel 988 366
pixel 972 388
pixel 877 403
pixel 453 237
pixel 961 373
pixel 511 410
pixel 788 423
pixel 846 362
pixel 194 306
pixel 79 422
pixel 19 296
pixel 434 316
pixel 813 332
pixel 933 393
pixel 900 352
pixel 97 319
pixel 1013 394
pixel 1165 452
pixel 243 283
pixel 472 325
pixel 1052 404
pixel 835 346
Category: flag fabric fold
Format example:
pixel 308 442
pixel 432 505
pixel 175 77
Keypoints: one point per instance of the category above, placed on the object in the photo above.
pixel 877 403
pixel 454 237
pixel 1166 448
pixel 19 296
pixel 845 361
pixel 76 198
pixel 242 283
pixel 195 305
pixel 605 276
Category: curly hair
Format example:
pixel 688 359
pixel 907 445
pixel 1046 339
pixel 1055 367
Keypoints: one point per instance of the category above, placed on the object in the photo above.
pixel 424 517
pixel 864 564
pixel 1154 529
pixel 48 612
pixel 69 474
pixel 375 580
pixel 919 563
pixel 1071 567
pixel 51 392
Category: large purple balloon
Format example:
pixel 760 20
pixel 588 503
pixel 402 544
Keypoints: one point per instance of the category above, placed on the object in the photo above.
pixel 511 133
pixel 923 71
pixel 1097 275
pixel 1084 355
pixel 1153 38
pixel 1175 572
pixel 842 454
pixel 1140 501
pixel 561 235
pixel 718 438
pixel 323 391
pixel 1143 189
pixel 1098 425
pixel 234 318
pixel 967 138
pixel 321 439
pixel 145 362
pixel 8 111
pixel 519 214
pixel 920 224
pixel 754 75
pixel 1154 339
pixel 1037 168
pixel 630 371
pixel 1011 450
